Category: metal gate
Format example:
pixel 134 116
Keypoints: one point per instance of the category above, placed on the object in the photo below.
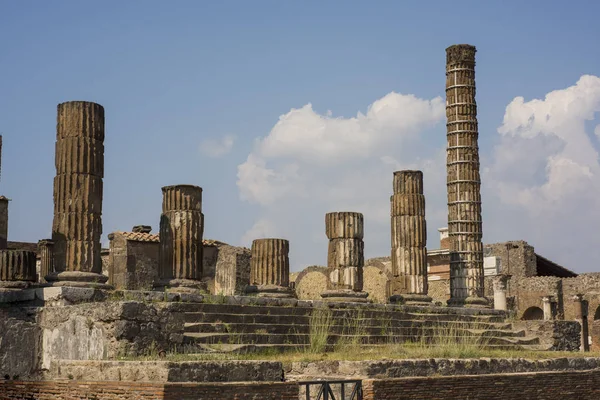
pixel 333 390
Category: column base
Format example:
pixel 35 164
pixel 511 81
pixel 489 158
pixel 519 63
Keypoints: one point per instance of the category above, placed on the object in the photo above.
pixel 411 299
pixel 470 302
pixel 271 291
pixel 182 285
pixel 15 285
pixel 345 296
pixel 78 279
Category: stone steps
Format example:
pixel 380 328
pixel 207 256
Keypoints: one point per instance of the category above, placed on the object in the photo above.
pixel 410 328
pixel 247 327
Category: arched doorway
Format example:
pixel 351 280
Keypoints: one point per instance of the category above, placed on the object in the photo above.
pixel 533 313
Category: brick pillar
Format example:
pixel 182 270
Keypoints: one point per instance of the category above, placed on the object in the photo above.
pixel 500 283
pixel 581 317
pixel 17 269
pixel 46 251
pixel 77 224
pixel 463 180
pixel 3 222
pixel 345 258
pixel 181 230
pixel 270 268
pixel 409 239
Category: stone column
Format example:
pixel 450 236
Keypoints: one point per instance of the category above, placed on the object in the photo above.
pixel 409 239
pixel 581 317
pixel 46 251
pixel 345 258
pixel 77 224
pixel 3 222
pixel 17 269
pixel 463 180
pixel 181 230
pixel 500 283
pixel 547 308
pixel 270 268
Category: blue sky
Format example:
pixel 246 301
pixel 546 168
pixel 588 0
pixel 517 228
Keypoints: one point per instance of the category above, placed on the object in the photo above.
pixel 176 78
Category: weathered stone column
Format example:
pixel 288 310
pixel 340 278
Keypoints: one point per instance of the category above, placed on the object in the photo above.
pixel 463 180
pixel 409 239
pixel 270 268
pixel 500 283
pixel 3 222
pixel 17 269
pixel 181 230
pixel 77 224
pixel 345 258
pixel 46 251
pixel 547 308
pixel 581 317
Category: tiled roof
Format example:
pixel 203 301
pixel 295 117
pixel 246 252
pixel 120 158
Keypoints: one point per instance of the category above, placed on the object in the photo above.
pixel 140 237
pixel 154 237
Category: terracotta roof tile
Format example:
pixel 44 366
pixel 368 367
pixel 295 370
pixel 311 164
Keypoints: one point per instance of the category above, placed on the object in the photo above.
pixel 154 237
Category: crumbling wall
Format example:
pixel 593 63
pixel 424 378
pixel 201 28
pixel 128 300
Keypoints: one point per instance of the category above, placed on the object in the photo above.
pixel 517 257
pixel 439 290
pixel 95 331
pixel 377 280
pixel 19 343
pixel 134 264
pixel 529 293
pixel 232 270
pixel 311 282
pixel 553 335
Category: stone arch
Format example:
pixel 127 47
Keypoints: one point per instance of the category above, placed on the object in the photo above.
pixel 594 330
pixel 533 313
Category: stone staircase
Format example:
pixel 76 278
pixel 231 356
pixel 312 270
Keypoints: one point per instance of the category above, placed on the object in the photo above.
pixel 245 328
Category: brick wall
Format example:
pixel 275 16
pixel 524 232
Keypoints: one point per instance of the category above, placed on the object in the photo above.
pixel 78 390
pixel 584 385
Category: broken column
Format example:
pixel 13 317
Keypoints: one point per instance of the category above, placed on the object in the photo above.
pixel 500 283
pixel 345 258
pixel 17 269
pixel 270 268
pixel 409 239
pixel 46 252
pixel 181 230
pixel 77 224
pixel 3 222
pixel 581 317
pixel 463 180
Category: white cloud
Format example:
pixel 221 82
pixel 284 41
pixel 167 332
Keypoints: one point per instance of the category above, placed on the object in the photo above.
pixel 217 148
pixel 262 228
pixel 312 163
pixel 544 177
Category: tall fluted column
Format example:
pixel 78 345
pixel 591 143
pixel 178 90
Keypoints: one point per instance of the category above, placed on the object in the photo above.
pixel 409 239
pixel 3 222
pixel 17 269
pixel 181 230
pixel 46 252
pixel 463 180
pixel 345 259
pixel 270 268
pixel 77 224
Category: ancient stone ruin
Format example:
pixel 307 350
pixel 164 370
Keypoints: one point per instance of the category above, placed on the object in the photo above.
pixel 409 239
pixel 345 256
pixel 270 268
pixel 77 224
pixel 463 181
pixel 181 230
pixel 173 295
